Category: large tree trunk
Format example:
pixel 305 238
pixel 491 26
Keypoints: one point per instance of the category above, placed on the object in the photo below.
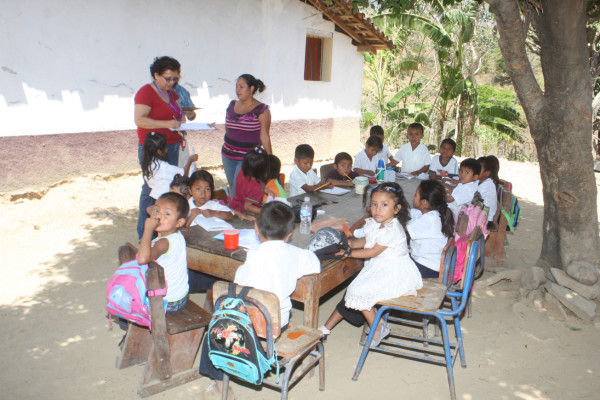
pixel 560 122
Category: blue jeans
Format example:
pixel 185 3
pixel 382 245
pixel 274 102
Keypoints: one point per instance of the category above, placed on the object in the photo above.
pixel 145 199
pixel 173 306
pixel 232 168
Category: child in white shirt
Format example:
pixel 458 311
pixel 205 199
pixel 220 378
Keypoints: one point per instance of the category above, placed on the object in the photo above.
pixel 385 153
pixel 444 164
pixel 468 175
pixel 303 179
pixel 414 155
pixel 365 162
pixel 487 184
pixel 275 266
pixel 201 188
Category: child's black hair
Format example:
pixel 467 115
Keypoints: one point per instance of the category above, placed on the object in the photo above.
pixel 339 157
pixel 434 193
pixel 418 126
pixel 181 204
pixel 394 190
pixel 202 175
pixel 274 167
pixel 181 182
pixel 450 142
pixel 472 164
pixel 256 165
pixel 376 130
pixel 275 221
pixel 304 151
pixel 152 144
pixel 492 164
pixel 375 141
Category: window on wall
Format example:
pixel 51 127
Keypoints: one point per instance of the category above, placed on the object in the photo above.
pixel 317 58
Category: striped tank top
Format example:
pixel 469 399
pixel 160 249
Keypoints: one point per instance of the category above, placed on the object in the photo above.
pixel 242 131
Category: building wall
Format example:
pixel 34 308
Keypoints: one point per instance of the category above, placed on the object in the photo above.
pixel 69 70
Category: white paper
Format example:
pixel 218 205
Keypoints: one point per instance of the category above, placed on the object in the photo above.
pixel 195 126
pixel 248 238
pixel 405 175
pixel 211 223
pixel 336 190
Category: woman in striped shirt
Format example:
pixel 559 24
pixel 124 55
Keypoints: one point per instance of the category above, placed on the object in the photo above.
pixel 247 125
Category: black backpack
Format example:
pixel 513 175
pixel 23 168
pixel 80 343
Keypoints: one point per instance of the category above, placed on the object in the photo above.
pixel 327 241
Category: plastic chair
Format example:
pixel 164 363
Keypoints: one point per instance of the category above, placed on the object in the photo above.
pixel 282 179
pixel 427 303
pixel 294 345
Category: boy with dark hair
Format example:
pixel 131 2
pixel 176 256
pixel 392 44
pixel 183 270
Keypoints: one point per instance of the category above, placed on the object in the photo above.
pixel 342 174
pixel 303 179
pixel 414 155
pixel 444 164
pixel 468 175
pixel 385 153
pixel 366 160
pixel 274 266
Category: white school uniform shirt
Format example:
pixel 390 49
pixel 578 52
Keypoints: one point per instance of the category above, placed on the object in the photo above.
pixel 174 262
pixel 426 238
pixel 161 178
pixel 413 160
pixel 213 205
pixel 436 165
pixel 487 190
pixel 362 161
pixel 299 179
pixel 462 194
pixel 385 154
pixel 276 266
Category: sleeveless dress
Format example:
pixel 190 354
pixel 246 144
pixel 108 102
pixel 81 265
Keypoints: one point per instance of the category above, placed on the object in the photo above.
pixel 242 131
pixel 390 274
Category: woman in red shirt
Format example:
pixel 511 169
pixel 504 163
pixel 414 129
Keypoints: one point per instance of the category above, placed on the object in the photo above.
pixel 157 110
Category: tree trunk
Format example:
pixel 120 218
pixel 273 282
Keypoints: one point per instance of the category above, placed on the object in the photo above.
pixel 560 121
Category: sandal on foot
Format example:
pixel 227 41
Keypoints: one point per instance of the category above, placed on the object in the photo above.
pixel 383 333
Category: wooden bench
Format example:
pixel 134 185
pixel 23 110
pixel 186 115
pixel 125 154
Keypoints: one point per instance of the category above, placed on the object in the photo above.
pixel 495 254
pixel 170 348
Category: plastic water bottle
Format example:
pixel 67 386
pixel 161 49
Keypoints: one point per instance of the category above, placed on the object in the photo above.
pixel 305 216
pixel 380 171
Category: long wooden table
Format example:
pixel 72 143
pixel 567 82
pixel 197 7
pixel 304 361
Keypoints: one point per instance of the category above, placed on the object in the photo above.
pixel 209 256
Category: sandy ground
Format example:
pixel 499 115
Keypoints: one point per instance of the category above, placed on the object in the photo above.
pixel 60 250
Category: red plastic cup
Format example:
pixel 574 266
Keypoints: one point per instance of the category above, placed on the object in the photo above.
pixel 232 239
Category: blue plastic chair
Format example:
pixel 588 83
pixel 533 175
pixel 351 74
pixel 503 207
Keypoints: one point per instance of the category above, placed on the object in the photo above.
pixel 428 305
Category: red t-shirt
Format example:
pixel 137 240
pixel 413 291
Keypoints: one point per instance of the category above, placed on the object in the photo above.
pixel 160 111
pixel 246 189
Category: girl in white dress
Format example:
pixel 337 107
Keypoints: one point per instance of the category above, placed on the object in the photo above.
pixel 388 272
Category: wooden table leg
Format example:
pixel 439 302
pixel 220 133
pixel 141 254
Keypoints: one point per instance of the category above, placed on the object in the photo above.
pixel 311 303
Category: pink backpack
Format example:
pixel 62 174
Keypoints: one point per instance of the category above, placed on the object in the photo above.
pixel 477 217
pixel 127 294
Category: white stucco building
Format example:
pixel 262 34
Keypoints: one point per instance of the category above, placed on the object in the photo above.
pixel 69 71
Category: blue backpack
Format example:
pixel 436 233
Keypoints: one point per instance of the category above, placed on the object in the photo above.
pixel 233 345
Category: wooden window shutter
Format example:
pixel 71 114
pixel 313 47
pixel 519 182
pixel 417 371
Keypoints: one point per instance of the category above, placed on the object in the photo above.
pixel 312 59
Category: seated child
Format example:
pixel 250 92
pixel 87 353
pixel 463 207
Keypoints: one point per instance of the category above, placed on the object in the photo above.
pixel 488 183
pixel 303 179
pixel 444 164
pixel 468 175
pixel 250 182
pixel 430 226
pixel 274 188
pixel 414 155
pixel 167 216
pixel 366 160
pixel 385 153
pixel 342 174
pixel 275 266
pixel 180 184
pixel 202 187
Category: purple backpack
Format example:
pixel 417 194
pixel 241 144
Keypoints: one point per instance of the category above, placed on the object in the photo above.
pixel 127 294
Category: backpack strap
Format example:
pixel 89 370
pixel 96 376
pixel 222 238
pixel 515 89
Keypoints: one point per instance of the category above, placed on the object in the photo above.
pixel 231 291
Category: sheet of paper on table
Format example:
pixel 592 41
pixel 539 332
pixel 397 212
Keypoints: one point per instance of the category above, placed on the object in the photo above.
pixel 248 238
pixel 195 126
pixel 338 191
pixel 405 175
pixel 211 223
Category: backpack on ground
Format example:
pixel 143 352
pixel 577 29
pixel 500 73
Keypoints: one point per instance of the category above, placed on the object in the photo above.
pixel 127 294
pixel 233 345
pixel 514 212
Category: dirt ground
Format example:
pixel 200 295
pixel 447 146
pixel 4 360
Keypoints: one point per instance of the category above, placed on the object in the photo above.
pixel 59 251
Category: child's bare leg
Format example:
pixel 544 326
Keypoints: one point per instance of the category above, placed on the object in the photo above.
pixel 370 317
pixel 333 320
